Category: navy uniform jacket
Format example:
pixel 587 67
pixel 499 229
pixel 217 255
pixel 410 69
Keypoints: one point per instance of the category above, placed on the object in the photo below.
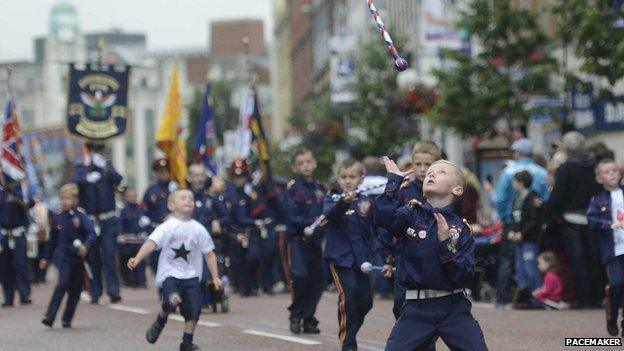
pixel 239 205
pixel 13 210
pixel 267 202
pixel 425 262
pixel 130 219
pixel 406 191
pixel 305 205
pixel 208 209
pixel 64 229
pixel 349 231
pixel 99 197
pixel 600 219
pixel 155 202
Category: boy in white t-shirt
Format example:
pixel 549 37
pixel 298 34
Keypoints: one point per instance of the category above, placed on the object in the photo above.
pixel 606 219
pixel 183 243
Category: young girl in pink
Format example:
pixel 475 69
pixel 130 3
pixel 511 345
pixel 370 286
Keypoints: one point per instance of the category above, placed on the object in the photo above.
pixel 550 294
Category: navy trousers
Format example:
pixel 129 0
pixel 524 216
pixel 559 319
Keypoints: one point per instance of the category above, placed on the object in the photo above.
pixel 306 272
pixel 14 273
pixel 448 317
pixel 355 300
pixel 70 281
pixel 102 259
pixel 615 287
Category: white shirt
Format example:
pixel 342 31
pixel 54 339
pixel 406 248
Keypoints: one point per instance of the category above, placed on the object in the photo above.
pixel 182 245
pixel 617 215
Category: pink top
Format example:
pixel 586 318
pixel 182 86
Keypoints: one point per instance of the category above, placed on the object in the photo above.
pixel 551 290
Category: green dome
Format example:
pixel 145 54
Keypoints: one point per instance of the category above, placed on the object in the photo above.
pixel 63 7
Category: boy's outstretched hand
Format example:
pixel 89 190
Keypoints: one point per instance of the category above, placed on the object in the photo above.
pixel 132 263
pixel 392 168
pixel 443 227
pixel 217 283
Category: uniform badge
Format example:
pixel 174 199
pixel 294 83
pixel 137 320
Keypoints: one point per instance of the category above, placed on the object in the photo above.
pixel 254 195
pixel 154 198
pixel 350 212
pixel 290 184
pixel 422 234
pixel 411 232
pixel 363 207
pixel 603 209
pixel 76 221
pixel 198 204
pixel 454 234
pixel 242 202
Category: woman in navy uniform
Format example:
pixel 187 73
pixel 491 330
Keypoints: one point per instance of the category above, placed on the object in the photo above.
pixel 97 181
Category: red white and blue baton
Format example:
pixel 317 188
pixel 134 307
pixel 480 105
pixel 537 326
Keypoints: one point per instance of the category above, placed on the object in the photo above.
pixel 400 64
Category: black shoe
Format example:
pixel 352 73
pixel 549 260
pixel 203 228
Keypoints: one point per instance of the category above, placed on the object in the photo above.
pixel 153 332
pixel 295 326
pixel 115 298
pixel 47 322
pixel 26 302
pixel 67 325
pixel 185 346
pixel 7 304
pixel 612 328
pixel 95 301
pixel 311 327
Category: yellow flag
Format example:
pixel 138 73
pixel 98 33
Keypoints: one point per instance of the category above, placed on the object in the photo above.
pixel 168 135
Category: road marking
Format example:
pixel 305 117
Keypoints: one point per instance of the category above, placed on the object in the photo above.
pixel 282 337
pixel 129 309
pixel 179 318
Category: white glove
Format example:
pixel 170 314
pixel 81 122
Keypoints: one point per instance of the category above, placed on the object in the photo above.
pixel 77 243
pixel 94 177
pixel 144 221
pixel 98 160
pixel 366 267
pixel 173 186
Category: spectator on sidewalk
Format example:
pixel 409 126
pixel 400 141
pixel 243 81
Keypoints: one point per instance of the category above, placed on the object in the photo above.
pixel 575 184
pixel 522 152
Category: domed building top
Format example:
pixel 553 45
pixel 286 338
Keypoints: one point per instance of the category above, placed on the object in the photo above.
pixel 64 22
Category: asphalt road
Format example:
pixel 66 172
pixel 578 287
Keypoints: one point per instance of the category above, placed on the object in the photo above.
pixel 260 323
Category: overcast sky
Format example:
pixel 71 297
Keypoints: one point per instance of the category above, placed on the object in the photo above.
pixel 167 23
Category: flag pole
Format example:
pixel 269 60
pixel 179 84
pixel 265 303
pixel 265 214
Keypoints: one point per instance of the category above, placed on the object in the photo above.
pixel 9 70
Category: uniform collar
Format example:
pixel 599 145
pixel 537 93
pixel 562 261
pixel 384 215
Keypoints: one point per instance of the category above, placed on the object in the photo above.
pixel 305 182
pixel 449 209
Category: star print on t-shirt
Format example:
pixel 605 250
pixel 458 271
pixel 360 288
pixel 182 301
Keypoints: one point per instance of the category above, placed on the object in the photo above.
pixel 181 252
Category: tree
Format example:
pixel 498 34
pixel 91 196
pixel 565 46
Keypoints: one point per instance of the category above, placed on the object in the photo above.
pixel 376 122
pixel 595 32
pixel 476 93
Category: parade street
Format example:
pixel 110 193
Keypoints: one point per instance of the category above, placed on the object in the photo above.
pixel 260 323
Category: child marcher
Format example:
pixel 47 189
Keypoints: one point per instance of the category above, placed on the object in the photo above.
pixel 436 264
pixel 134 226
pixel 71 235
pixel 348 247
pixel 183 243
pixel 424 154
pixel 305 205
pixel 524 230
pixel 550 294
pixel 606 219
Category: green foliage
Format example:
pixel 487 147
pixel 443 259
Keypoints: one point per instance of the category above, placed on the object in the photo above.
pixel 380 123
pixel 194 114
pixel 588 27
pixel 478 92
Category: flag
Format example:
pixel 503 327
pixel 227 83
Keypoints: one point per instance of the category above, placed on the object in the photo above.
pixel 168 135
pixel 243 141
pixel 206 136
pixel 11 161
pixel 259 138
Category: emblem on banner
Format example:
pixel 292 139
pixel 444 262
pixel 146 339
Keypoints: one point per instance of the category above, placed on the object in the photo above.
pixel 97 105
